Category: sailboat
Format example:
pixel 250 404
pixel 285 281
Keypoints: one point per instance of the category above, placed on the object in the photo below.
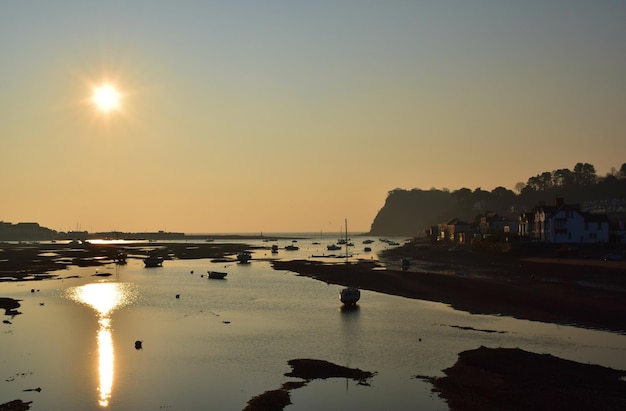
pixel 349 295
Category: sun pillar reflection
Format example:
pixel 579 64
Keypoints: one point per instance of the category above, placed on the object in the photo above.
pixel 104 298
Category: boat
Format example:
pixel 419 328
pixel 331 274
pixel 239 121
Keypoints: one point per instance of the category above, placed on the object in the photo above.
pixel 120 258
pixel 218 275
pixel 367 249
pixel 333 247
pixel 274 249
pixel 291 247
pixel 244 257
pixel 368 241
pixel 153 261
pixel 349 295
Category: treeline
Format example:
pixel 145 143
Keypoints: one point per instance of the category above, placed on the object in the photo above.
pixel 409 212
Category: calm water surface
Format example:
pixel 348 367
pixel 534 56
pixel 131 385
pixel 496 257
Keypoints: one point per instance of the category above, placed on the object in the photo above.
pixel 225 341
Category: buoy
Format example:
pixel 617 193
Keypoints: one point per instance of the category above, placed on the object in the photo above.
pixel 138 345
pixel 177 295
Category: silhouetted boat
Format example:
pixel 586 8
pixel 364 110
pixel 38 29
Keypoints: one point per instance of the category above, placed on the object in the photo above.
pixel 333 247
pixel 292 248
pixel 153 261
pixel 274 249
pixel 218 275
pixel 120 258
pixel 349 295
pixel 367 249
pixel 244 257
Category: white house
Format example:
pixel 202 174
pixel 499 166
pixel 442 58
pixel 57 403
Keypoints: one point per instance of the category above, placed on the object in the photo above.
pixel 563 223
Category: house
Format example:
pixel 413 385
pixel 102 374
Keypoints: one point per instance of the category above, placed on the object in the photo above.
pixel 493 223
pixel 564 223
pixel 455 230
pixel 526 223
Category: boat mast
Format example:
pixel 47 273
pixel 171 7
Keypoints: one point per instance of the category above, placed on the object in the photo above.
pixel 346 241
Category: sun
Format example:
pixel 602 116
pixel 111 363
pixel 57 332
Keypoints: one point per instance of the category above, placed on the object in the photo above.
pixel 106 98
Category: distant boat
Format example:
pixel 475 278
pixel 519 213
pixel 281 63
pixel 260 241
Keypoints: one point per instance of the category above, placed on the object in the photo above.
pixel 153 261
pixel 120 258
pixel 333 247
pixel 349 295
pixel 244 257
pixel 274 249
pixel 291 247
pixel 368 241
pixel 218 275
pixel 367 249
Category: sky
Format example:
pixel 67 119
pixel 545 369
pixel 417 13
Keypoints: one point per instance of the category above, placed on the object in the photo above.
pixel 291 116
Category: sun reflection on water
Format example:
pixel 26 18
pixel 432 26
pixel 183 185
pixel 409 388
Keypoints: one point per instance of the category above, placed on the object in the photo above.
pixel 104 298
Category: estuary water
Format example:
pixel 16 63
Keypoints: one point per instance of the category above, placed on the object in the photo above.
pixel 223 342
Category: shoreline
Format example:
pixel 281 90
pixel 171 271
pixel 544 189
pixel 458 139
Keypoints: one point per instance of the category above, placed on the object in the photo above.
pixel 566 292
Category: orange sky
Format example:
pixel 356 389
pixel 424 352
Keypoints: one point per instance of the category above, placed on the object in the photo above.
pixel 278 117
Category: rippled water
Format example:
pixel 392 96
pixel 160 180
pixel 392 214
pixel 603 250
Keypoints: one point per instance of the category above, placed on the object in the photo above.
pixel 223 342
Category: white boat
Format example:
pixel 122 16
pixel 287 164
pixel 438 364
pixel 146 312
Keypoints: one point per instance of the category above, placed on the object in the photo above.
pixel 349 295
pixel 244 257
pixel 153 261
pixel 218 275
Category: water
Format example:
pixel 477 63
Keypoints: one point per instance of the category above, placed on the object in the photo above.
pixel 225 341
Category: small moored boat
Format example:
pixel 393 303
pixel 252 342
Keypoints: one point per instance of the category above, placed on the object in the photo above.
pixel 153 261
pixel 120 258
pixel 217 275
pixel 244 257
pixel 349 295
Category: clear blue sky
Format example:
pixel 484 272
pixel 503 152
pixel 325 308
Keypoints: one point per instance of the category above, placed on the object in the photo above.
pixel 290 115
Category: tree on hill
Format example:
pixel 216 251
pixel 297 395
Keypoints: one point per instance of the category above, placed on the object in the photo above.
pixel 410 212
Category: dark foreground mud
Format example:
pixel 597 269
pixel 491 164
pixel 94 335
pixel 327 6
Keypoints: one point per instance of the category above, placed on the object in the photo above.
pixel 512 379
pixel 308 370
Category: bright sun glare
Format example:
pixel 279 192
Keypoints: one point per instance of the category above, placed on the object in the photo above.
pixel 106 98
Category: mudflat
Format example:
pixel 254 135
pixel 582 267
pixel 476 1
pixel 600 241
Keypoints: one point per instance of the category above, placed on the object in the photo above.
pixel 586 293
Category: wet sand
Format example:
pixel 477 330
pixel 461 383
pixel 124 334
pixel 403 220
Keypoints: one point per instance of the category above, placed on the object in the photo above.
pixel 512 379
pixel 582 292
pixel 587 294
pixel 33 262
pixel 308 370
